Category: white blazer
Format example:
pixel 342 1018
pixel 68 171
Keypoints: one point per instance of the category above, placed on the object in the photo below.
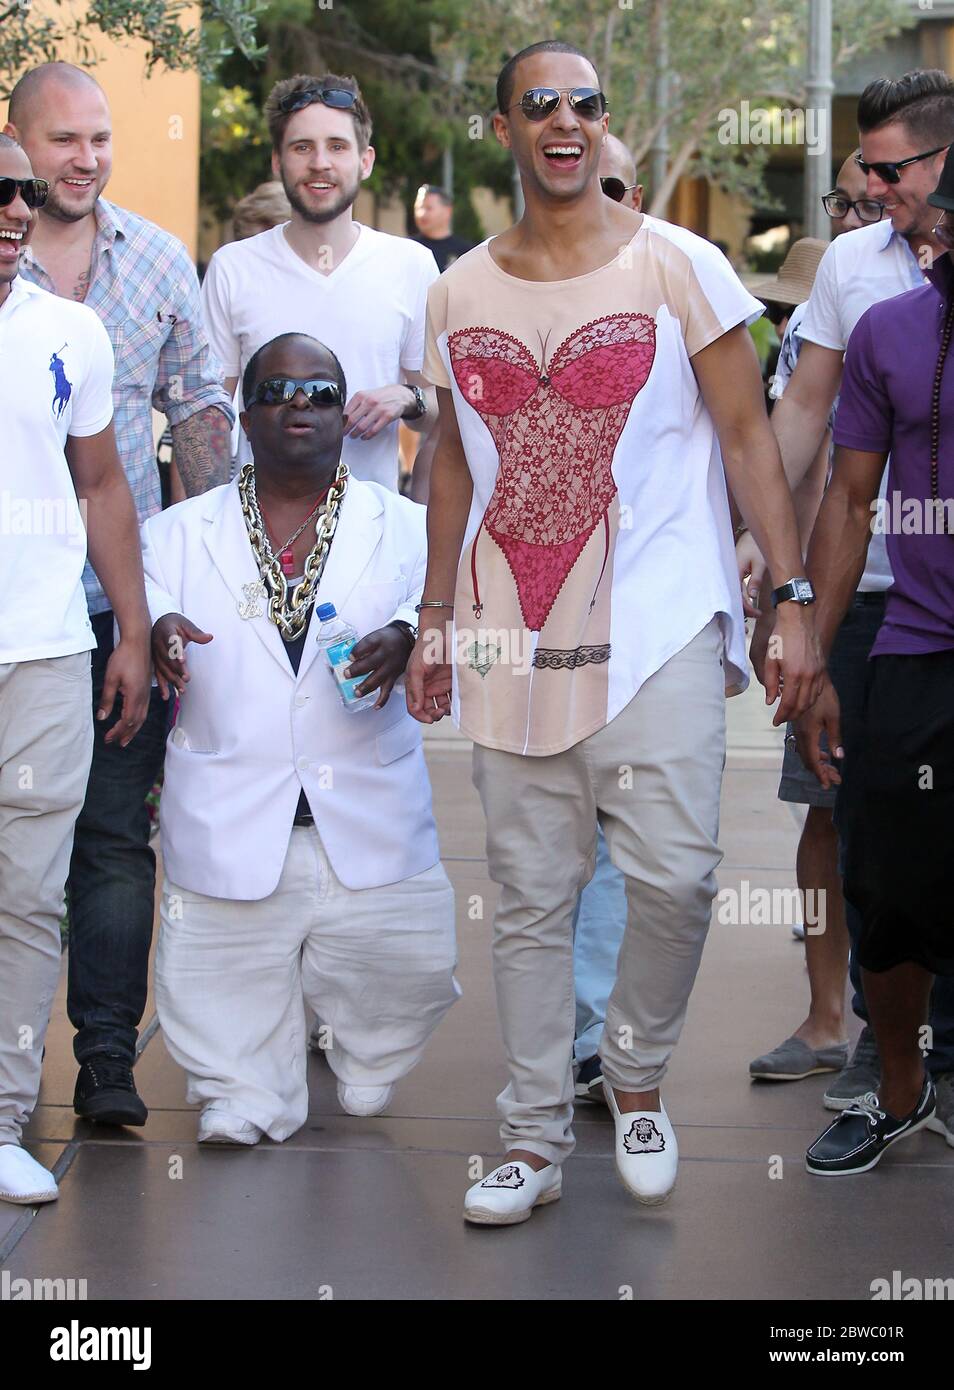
pixel 250 734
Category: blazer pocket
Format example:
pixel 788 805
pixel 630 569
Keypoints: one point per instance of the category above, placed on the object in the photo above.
pixel 401 738
pixel 180 739
pixel 373 605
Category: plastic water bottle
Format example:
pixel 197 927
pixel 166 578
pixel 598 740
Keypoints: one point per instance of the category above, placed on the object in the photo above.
pixel 336 638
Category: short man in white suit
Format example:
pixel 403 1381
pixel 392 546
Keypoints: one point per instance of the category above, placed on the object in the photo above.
pixel 298 843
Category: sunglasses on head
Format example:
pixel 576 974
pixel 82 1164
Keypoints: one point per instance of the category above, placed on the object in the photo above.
pixel 615 188
pixel 337 97
pixel 279 390
pixel 32 191
pixel 887 170
pixel 867 209
pixel 541 102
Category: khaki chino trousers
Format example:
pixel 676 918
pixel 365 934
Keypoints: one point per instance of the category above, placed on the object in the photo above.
pixel 652 778
pixel 46 744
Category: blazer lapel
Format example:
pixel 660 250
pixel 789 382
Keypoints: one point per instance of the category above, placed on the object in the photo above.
pixel 353 547
pixel 226 539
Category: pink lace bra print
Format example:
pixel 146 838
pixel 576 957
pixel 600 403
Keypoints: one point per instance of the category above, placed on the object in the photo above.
pixel 556 428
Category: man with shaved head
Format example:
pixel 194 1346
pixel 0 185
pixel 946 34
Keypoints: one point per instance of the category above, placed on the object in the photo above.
pixel 601 911
pixel 142 284
pixel 618 174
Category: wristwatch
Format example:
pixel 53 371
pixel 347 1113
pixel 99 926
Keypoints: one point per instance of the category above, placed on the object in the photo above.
pixel 795 591
pixel 414 412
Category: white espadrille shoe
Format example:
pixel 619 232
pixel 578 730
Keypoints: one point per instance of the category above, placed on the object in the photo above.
pixel 509 1194
pixel 647 1155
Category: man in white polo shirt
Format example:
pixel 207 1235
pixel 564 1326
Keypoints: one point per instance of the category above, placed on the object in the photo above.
pixel 59 460
pixel 360 291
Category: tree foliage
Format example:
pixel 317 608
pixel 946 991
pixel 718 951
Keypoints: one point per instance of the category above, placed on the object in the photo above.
pixel 173 36
pixel 428 69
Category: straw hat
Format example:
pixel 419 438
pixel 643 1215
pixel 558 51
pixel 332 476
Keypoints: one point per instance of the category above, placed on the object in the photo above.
pixel 793 283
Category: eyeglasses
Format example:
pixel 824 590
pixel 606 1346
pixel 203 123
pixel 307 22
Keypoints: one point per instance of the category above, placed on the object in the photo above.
pixel 279 390
pixel 615 188
pixel 338 97
pixel 866 209
pixel 32 191
pixel 541 102
pixel 887 171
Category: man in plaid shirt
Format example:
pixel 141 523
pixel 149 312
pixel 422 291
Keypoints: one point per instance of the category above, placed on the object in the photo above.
pixel 142 284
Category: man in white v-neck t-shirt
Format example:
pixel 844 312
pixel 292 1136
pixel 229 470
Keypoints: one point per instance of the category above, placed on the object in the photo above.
pixel 361 291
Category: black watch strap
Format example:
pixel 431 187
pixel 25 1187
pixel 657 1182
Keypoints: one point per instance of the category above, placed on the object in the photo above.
pixel 419 408
pixel 797 590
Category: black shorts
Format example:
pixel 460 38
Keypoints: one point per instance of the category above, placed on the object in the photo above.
pixel 899 863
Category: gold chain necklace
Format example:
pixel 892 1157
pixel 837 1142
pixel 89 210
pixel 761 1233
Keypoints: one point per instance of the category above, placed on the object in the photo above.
pixel 290 615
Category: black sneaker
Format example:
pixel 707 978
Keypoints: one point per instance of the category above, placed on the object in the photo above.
pixel 105 1091
pixel 856 1141
pixel 589 1081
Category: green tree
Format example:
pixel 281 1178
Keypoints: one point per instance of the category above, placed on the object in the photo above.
pixel 428 69
pixel 29 36
pixel 720 53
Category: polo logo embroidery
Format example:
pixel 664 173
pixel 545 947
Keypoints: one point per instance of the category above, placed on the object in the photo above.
pixel 643 1138
pixel 481 656
pixel 505 1177
pixel 62 389
pixel 252 607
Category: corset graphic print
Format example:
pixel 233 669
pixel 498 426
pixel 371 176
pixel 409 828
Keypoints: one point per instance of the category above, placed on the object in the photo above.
pixel 555 427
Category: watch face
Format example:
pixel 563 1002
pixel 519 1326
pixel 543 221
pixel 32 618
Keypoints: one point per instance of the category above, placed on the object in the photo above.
pixel 804 591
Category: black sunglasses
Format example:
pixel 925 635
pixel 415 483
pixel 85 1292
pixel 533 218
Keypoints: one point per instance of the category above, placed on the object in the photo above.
pixel 278 390
pixel 888 170
pixel 541 102
pixel 337 97
pixel 33 192
pixel 615 188
pixel 867 209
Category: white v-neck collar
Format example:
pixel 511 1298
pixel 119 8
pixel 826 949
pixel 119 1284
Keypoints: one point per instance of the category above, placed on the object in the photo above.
pixel 332 275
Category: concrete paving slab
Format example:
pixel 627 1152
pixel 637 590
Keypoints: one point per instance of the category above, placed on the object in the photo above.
pixel 353 1208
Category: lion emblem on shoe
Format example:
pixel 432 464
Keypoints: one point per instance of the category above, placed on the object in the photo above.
pixel 644 1138
pixel 508 1176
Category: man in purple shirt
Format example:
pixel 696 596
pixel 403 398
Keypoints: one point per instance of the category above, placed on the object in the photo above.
pixel 897 398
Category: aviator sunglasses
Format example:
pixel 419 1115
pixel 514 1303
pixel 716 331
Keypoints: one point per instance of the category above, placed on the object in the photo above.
pixel 541 102
pixel 278 390
pixel 887 170
pixel 33 192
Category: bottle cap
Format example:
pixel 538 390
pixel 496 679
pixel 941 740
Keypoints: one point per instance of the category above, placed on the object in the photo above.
pixel 326 611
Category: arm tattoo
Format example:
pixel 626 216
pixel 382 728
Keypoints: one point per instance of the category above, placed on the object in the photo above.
pixel 201 449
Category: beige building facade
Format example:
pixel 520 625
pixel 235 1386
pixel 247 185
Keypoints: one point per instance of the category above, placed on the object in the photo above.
pixel 156 128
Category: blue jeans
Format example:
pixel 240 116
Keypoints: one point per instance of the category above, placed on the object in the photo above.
pixel 112 883
pixel 848 666
pixel 598 928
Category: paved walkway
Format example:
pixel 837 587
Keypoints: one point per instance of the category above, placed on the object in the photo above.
pixel 352 1208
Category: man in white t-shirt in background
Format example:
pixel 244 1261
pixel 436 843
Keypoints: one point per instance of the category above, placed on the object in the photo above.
pixel 59 460
pixel 905 127
pixel 361 291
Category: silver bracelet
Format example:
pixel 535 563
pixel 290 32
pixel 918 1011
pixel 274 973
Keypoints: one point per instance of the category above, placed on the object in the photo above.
pixel 432 603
